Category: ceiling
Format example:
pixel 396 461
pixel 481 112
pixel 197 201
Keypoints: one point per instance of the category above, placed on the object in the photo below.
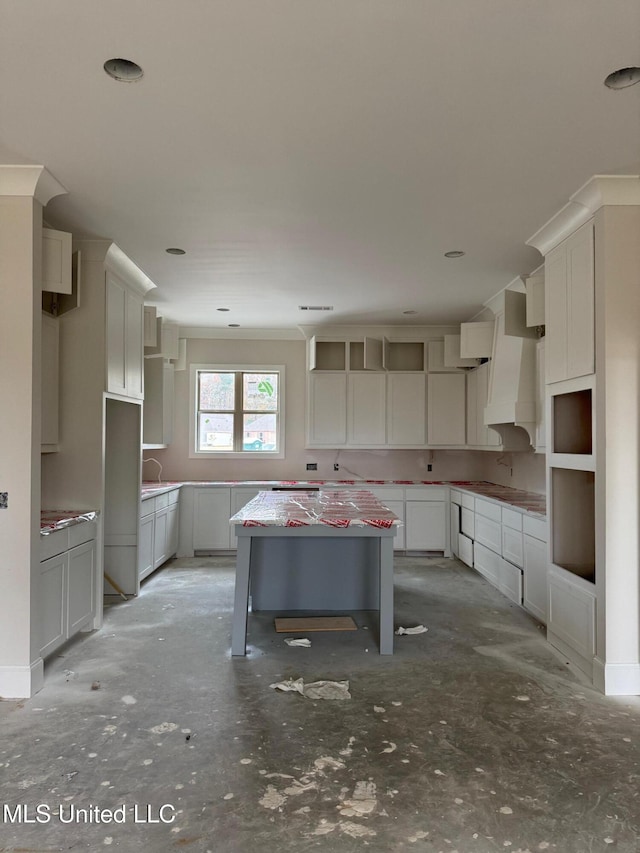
pixel 319 152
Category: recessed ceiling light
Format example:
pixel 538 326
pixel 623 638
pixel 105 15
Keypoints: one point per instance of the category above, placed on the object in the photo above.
pixel 454 254
pixel 123 70
pixel 623 77
pixel 409 312
pixel 173 251
pixel 222 309
pixel 234 325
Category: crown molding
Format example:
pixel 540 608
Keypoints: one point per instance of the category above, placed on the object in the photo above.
pixel 29 180
pixel 598 191
pixel 121 265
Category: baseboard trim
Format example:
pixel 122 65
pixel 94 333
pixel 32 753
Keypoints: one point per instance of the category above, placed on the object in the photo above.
pixel 616 679
pixel 21 682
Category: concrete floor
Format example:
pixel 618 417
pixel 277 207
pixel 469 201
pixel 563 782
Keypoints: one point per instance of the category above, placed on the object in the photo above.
pixel 473 737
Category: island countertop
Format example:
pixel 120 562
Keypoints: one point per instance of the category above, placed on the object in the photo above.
pixel 332 508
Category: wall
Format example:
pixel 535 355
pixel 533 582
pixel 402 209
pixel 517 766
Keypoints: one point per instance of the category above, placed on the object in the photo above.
pixel 357 464
pixel 524 470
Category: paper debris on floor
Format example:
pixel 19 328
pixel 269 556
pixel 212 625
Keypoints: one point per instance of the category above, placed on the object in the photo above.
pixel 418 629
pixel 303 642
pixel 290 625
pixel 315 689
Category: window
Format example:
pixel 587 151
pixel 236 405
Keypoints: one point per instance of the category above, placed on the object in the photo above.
pixel 238 410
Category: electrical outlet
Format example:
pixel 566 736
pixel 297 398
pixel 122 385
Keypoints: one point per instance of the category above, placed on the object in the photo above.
pixel 312 466
pixel 429 467
pixel 336 467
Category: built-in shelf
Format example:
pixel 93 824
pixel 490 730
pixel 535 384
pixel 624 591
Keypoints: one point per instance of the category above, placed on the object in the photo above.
pixel 573 422
pixel 329 355
pixel 356 355
pixel 573 521
pixel 404 355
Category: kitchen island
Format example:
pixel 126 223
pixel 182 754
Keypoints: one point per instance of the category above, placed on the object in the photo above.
pixel 323 550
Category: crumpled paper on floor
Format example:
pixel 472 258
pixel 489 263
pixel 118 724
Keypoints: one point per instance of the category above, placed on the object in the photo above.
pixel 315 689
pixel 418 629
pixel 303 642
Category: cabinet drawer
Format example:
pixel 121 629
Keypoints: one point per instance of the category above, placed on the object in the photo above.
pixel 511 518
pixel 456 497
pixel 162 501
pixel 512 549
pixel 467 523
pixel 511 582
pixel 487 562
pixel 465 549
pixel 147 507
pixel 488 533
pixel 79 533
pixel 427 493
pixel 536 527
pixel 488 510
pixel 468 501
pixel 384 494
pixel 54 543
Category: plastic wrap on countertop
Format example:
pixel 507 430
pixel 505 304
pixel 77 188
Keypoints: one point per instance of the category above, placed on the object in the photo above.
pixel 56 519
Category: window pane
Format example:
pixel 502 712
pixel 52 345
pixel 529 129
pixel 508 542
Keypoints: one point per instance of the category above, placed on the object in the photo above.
pixel 217 391
pixel 260 392
pixel 215 432
pixel 259 432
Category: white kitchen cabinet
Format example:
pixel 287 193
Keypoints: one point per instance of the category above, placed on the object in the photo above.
pixel 161 525
pixel 427 519
pixel 66 585
pixel 446 405
pixel 476 339
pixel 406 410
pixel 366 409
pixel 56 261
pixel 158 531
pixel 436 359
pixel 157 420
pixel 465 549
pixel 541 430
pixel 535 577
pixel 50 383
pixel 146 539
pixel 124 338
pixel 211 514
pixel 327 410
pixel 452 357
pixel 569 307
pixel 454 528
pixel 173 524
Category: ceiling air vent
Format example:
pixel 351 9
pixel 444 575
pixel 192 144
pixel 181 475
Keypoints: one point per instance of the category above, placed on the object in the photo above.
pixel 316 307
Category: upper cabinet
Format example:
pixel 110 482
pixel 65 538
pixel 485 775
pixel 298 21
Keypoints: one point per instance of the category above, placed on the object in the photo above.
pixel 126 285
pixel 476 339
pixel 569 301
pixel 56 261
pixel 50 383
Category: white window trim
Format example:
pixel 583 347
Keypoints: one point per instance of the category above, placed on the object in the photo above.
pixel 194 453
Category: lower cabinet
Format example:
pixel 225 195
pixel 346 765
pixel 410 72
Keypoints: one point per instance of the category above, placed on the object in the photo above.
pixel 66 589
pixel 535 593
pixel 211 514
pixel 158 531
pixel 427 519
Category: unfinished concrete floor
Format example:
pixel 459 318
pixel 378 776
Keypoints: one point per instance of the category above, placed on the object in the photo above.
pixel 473 737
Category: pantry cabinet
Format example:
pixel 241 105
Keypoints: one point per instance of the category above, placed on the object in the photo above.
pixel 569 307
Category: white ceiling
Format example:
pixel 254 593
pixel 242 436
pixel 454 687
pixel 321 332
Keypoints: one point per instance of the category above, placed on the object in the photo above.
pixel 323 152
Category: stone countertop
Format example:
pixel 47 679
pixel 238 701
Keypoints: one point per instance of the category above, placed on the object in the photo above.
pixel 57 519
pixel 331 508
pixel 529 502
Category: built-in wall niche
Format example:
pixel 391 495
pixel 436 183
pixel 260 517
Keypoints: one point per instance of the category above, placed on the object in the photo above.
pixel 404 355
pixel 572 422
pixel 573 521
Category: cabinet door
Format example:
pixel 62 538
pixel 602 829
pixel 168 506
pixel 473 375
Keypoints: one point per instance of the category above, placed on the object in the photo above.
pixel 535 577
pixel 406 410
pixel 580 303
pixel 211 516
pixel 56 261
pixel 116 314
pixel 173 529
pixel 134 335
pixel 473 427
pixel 426 525
pixel 81 587
pixel 454 528
pixel 52 605
pixel 366 409
pixel 327 410
pixel 446 409
pixel 541 434
pixel 160 538
pixel 49 399
pixel 555 301
pixel 145 546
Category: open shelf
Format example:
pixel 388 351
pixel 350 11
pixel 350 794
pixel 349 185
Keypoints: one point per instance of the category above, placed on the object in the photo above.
pixel 572 422
pixel 356 355
pixel 573 522
pixel 330 355
pixel 404 355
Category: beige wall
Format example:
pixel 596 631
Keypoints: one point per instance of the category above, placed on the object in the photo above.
pixel 528 472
